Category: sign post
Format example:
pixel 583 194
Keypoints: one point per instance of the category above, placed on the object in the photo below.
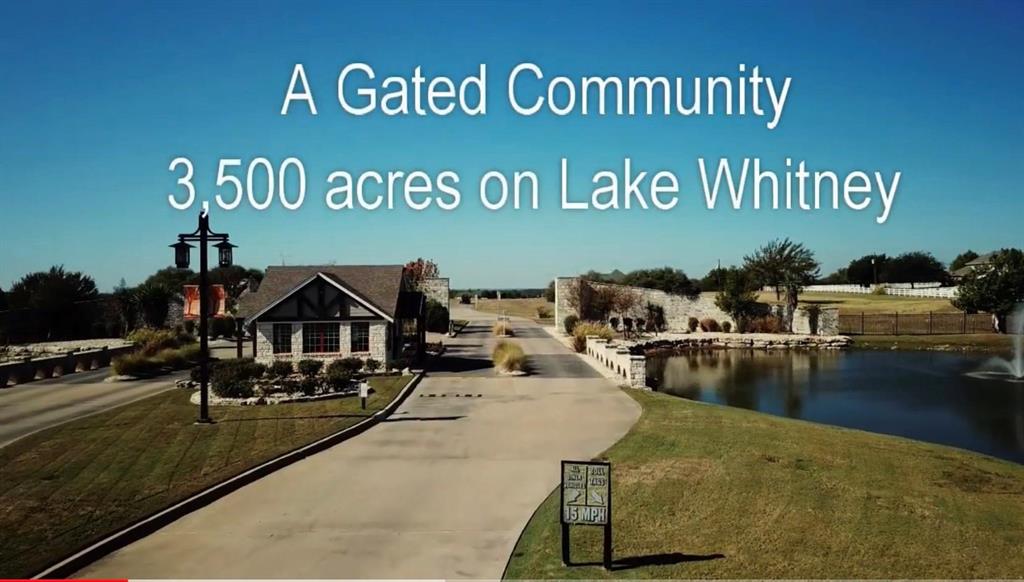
pixel 364 392
pixel 586 499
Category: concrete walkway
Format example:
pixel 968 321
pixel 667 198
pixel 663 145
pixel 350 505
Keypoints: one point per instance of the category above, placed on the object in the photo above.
pixel 442 490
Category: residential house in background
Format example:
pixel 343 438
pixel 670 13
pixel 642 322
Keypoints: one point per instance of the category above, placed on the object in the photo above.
pixel 328 312
pixel 972 265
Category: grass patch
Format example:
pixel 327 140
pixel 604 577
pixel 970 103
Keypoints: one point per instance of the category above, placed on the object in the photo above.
pixel 705 491
pixel 516 307
pixel 868 303
pixel 990 343
pixel 64 488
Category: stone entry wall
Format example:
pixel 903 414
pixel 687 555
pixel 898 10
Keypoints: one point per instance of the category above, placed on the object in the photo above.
pixel 437 288
pixel 678 309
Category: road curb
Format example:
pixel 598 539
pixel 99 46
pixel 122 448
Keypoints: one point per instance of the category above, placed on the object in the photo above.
pixel 148 525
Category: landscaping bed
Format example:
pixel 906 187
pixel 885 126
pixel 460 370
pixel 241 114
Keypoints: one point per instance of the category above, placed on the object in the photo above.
pixel 704 491
pixel 66 487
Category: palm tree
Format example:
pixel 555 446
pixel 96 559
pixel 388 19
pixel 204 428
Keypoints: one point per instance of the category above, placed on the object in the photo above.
pixel 785 266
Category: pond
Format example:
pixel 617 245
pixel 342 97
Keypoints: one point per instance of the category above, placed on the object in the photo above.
pixel 928 396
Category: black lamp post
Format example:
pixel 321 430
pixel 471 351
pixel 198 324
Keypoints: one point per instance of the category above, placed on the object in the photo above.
pixel 203 235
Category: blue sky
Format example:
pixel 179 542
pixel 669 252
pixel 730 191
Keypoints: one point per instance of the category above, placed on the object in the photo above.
pixel 98 98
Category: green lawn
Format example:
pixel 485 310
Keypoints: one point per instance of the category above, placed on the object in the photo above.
pixel 68 486
pixel 854 303
pixel 703 491
pixel 993 343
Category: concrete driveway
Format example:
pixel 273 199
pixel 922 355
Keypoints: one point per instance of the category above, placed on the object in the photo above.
pixel 441 490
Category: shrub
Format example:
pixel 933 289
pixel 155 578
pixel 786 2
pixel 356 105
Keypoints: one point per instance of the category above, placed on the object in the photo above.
pixel 436 317
pixel 281 368
pixel 692 324
pixel 372 365
pixel 309 368
pixel 543 312
pixel 400 363
pixel 234 378
pixel 465 299
pixel 171 358
pixel 726 326
pixel 641 325
pixel 569 323
pixel 579 343
pixel 347 366
pixel 763 324
pixel 135 364
pixel 585 328
pixel 508 357
pixel 309 385
pixel 502 329
pixel 614 322
pixel 879 290
pixel 150 340
pixel 655 317
pixel 709 324
pixel 338 378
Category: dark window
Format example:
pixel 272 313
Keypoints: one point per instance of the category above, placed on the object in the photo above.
pixel 321 338
pixel 360 336
pixel 282 338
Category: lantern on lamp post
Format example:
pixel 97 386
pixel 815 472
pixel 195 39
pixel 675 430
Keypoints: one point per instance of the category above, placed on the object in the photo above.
pixel 182 251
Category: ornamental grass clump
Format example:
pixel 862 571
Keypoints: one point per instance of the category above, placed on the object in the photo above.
pixel 502 329
pixel 585 328
pixel 508 357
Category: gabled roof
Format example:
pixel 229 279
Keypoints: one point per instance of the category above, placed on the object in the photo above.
pixel 378 286
pixel 970 266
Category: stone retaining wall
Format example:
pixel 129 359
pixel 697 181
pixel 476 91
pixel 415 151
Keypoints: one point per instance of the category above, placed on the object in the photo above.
pixel 617 357
pixel 765 341
pixel 30 369
pixel 678 309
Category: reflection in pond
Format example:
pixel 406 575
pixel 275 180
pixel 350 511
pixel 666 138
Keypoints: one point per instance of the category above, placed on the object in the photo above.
pixel 929 396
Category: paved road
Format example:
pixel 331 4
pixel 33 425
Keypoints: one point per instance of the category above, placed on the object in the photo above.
pixel 27 408
pixel 33 406
pixel 441 490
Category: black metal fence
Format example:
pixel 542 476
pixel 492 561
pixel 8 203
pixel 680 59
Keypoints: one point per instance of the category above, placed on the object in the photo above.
pixel 915 323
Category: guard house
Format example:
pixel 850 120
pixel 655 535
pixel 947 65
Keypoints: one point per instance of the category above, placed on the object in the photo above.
pixel 328 312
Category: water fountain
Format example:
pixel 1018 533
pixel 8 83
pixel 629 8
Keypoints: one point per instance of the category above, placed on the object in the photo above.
pixel 1011 370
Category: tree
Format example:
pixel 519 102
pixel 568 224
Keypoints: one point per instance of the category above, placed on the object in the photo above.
pixel 421 269
pixel 838 277
pixel 665 279
pixel 549 292
pixel 962 259
pixel 738 296
pixel 153 302
pixel 863 271
pixel 235 279
pixel 126 304
pixel 3 300
pixel 171 279
pixel 997 288
pixel 714 280
pixel 55 299
pixel 786 266
pixel 915 267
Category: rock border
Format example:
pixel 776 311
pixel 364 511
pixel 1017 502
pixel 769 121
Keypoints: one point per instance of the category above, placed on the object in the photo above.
pixel 158 520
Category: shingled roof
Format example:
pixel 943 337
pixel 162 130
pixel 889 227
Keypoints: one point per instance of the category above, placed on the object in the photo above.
pixel 378 285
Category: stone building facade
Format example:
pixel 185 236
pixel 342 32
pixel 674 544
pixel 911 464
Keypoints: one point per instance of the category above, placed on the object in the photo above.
pixel 330 312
